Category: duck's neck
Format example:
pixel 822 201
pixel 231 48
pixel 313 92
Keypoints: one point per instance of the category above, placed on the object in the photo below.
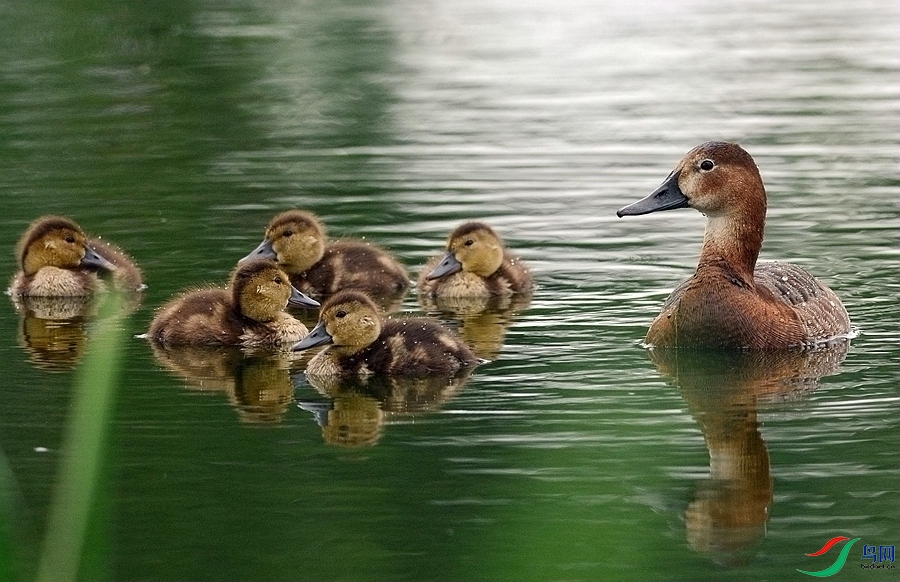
pixel 733 241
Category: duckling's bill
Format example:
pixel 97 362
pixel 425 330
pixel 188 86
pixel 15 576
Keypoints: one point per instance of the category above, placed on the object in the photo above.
pixel 317 337
pixel 93 259
pixel 263 251
pixel 449 264
pixel 667 197
pixel 301 300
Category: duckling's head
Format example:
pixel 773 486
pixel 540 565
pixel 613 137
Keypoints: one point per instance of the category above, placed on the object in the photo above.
pixel 56 241
pixel 295 239
pixel 473 247
pixel 716 178
pixel 349 319
pixel 260 290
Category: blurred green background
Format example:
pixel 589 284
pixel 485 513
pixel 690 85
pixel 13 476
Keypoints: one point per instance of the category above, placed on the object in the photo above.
pixel 177 129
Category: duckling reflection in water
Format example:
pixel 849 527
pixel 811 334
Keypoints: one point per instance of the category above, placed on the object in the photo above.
pixel 55 344
pixel 475 264
pixel 726 519
pixel 361 343
pixel 482 321
pixel 54 330
pixel 298 242
pixel 56 259
pixel 360 407
pixel 258 385
pixel 249 314
pixel 732 301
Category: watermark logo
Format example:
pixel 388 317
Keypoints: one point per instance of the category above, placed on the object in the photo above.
pixel 882 557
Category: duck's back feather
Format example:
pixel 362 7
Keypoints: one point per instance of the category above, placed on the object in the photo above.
pixel 127 275
pixel 353 265
pixel 202 317
pixel 412 347
pixel 818 307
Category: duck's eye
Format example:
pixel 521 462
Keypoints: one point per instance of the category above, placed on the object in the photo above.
pixel 70 239
pixel 278 280
pixel 707 165
pixel 340 314
pixel 288 233
pixel 469 242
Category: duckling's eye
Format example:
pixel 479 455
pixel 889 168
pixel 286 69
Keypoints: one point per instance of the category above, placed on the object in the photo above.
pixel 707 165
pixel 340 314
pixel 70 239
pixel 278 280
pixel 288 233
pixel 469 242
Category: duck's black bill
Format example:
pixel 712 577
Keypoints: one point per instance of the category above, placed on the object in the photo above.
pixel 263 251
pixel 667 197
pixel 317 337
pixel 298 299
pixel 94 260
pixel 447 266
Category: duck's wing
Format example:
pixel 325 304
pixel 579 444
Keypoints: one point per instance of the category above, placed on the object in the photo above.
pixel 127 275
pixel 818 307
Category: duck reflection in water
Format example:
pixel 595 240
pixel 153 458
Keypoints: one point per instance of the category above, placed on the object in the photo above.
pixel 54 330
pixel 358 407
pixel 726 519
pixel 257 383
pixel 54 343
pixel 481 322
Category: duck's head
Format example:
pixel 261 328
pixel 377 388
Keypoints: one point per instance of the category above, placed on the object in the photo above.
pixel 473 247
pixel 716 178
pixel 295 239
pixel 349 319
pixel 56 241
pixel 261 290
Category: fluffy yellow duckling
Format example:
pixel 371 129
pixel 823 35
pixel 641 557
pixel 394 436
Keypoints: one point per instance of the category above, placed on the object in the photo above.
pixel 363 343
pixel 297 240
pixel 249 314
pixel 56 259
pixel 476 264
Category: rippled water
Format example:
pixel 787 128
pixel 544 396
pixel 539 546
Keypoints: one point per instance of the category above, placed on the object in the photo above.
pixel 179 130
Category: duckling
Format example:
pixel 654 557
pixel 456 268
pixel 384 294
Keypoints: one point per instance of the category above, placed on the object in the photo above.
pixel 249 314
pixel 297 240
pixel 365 344
pixel 476 264
pixel 731 301
pixel 56 259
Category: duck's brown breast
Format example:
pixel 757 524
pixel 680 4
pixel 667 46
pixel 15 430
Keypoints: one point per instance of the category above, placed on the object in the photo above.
pixel 783 307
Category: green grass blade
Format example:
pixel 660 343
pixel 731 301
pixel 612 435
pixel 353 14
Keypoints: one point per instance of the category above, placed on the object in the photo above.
pixel 84 446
